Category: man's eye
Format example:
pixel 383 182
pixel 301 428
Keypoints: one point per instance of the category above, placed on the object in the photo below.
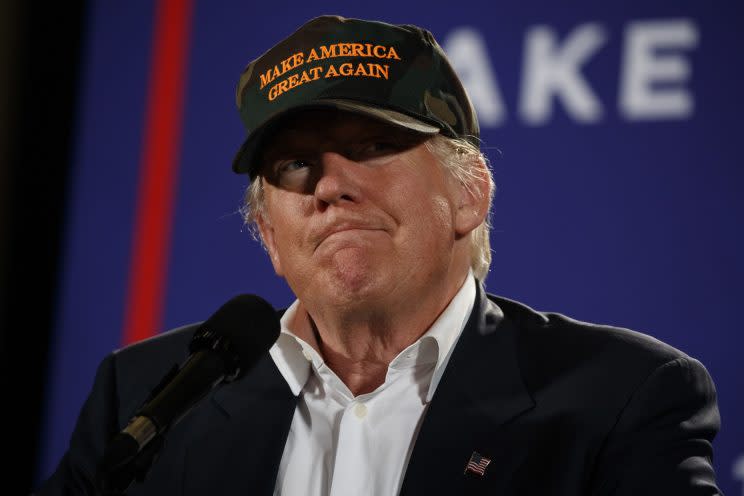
pixel 375 148
pixel 291 173
pixel 289 166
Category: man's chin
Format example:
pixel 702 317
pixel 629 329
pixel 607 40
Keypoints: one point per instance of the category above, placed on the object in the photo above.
pixel 352 286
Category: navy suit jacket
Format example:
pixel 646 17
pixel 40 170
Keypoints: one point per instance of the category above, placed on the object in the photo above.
pixel 560 407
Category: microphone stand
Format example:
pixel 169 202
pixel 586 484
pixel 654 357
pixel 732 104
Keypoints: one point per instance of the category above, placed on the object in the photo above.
pixel 124 460
pixel 119 469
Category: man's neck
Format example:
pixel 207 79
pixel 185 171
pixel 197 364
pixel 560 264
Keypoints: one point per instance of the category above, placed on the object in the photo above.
pixel 359 346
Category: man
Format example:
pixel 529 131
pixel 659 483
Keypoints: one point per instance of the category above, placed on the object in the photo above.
pixel 395 373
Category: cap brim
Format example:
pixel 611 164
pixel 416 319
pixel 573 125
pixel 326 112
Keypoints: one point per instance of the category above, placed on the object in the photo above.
pixel 244 160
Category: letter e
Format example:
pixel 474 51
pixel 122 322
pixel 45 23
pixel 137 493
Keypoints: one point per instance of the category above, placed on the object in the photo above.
pixel 644 69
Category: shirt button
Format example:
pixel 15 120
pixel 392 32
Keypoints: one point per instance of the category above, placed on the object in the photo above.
pixel 360 410
pixel 307 355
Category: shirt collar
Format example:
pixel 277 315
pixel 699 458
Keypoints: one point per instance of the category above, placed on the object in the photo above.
pixel 446 330
pixel 294 357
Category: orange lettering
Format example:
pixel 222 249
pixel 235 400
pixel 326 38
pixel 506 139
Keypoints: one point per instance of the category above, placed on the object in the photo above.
pixel 266 78
pixel 327 52
pixel 331 72
pixel 392 54
pixel 380 70
pixel 278 89
pixel 304 78
pixel 377 49
pixel 357 50
pixel 270 75
pixel 272 93
pixel 346 69
pixel 294 81
pixel 312 56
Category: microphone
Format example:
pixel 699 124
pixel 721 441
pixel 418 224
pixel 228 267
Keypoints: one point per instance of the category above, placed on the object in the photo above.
pixel 222 349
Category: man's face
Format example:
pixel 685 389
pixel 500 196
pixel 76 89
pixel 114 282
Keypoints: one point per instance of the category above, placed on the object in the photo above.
pixel 358 212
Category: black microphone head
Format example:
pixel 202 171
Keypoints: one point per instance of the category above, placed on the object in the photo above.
pixel 241 331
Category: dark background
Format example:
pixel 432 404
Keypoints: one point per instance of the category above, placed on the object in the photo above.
pixel 40 51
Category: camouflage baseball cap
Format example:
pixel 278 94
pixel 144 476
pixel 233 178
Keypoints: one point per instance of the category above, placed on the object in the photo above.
pixel 396 73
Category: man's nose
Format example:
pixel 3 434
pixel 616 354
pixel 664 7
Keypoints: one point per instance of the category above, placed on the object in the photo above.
pixel 337 181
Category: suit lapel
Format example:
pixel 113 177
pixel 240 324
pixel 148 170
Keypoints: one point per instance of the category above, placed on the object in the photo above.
pixel 241 451
pixel 480 391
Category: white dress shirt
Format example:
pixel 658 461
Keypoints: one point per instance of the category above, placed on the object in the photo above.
pixel 340 444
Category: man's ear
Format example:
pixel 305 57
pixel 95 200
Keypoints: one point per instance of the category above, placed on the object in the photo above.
pixel 473 199
pixel 266 231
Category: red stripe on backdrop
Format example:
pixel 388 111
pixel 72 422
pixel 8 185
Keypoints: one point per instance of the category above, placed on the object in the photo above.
pixel 158 170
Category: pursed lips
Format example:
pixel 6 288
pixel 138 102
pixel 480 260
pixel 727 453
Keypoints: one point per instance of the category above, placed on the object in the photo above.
pixel 342 227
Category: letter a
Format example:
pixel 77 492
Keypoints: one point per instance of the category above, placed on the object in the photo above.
pixel 467 51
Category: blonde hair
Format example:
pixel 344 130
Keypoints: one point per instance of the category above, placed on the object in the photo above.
pixel 463 160
pixel 468 165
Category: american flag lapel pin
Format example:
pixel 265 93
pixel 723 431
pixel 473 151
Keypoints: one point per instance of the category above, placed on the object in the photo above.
pixel 477 464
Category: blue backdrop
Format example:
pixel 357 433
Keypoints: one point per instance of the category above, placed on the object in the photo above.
pixel 614 133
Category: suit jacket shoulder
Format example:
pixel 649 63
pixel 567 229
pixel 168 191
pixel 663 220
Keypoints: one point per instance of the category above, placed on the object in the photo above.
pixel 552 344
pixel 564 407
pixel 232 439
